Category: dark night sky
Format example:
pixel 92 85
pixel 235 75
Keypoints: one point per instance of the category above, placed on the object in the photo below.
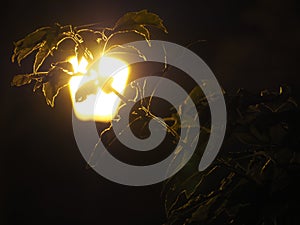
pixel 43 177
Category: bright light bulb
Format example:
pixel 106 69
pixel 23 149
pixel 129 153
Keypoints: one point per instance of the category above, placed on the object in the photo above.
pixel 101 106
pixel 78 67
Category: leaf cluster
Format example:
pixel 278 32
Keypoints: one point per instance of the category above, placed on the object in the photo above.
pixel 254 179
pixel 89 42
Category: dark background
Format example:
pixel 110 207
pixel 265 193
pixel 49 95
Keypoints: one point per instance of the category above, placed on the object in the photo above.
pixel 254 45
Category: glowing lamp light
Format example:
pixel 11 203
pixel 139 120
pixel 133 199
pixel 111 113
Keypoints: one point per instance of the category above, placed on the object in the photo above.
pixel 102 106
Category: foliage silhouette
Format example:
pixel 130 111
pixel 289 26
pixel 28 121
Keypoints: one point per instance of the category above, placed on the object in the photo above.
pixel 254 179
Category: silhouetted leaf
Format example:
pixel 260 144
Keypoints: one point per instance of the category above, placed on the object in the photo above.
pixel 82 51
pixel 196 95
pixel 138 22
pixel 57 78
pixel 22 79
pixel 37 85
pixel 45 40
pixel 30 43
pixel 261 164
pixel 85 90
pixel 202 213
pixel 54 36
pixel 64 65
pixel 88 43
pixel 247 138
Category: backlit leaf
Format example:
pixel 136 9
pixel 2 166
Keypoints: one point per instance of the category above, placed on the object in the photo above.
pixel 85 90
pixel 37 85
pixel 21 79
pixel 40 56
pixel 28 44
pixel 52 39
pixel 57 78
pixel 138 22
pixel 44 40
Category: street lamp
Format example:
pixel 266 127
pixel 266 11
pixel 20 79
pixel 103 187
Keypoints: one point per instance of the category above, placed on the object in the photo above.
pixel 103 105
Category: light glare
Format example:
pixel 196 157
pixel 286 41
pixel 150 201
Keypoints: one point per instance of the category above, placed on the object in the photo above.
pixel 100 106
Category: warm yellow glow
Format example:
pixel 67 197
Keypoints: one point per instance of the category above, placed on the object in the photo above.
pixel 78 67
pixel 101 106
